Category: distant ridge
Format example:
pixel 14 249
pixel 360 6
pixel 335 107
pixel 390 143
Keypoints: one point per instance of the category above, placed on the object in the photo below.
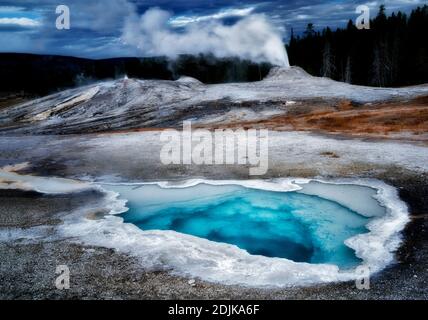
pixel 43 74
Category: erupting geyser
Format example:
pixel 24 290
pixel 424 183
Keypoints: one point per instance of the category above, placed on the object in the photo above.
pixel 252 38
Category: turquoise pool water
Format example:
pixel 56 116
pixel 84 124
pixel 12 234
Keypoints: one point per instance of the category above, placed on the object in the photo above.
pixel 292 225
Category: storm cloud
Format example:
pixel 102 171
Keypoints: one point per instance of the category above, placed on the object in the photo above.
pixel 99 28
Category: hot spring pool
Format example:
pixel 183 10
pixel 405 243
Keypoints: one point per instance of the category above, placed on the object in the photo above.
pixel 264 233
pixel 308 225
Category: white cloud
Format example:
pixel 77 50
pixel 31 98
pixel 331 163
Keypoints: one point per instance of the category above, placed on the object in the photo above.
pixel 7 9
pixel 22 22
pixel 181 21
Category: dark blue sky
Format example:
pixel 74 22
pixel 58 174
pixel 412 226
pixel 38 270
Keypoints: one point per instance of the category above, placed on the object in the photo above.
pixel 97 26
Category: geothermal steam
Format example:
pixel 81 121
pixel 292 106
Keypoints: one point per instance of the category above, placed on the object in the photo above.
pixel 252 38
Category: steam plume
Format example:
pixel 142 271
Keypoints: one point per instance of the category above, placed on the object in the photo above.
pixel 252 37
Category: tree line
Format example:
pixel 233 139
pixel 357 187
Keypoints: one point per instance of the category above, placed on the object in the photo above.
pixel 393 52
